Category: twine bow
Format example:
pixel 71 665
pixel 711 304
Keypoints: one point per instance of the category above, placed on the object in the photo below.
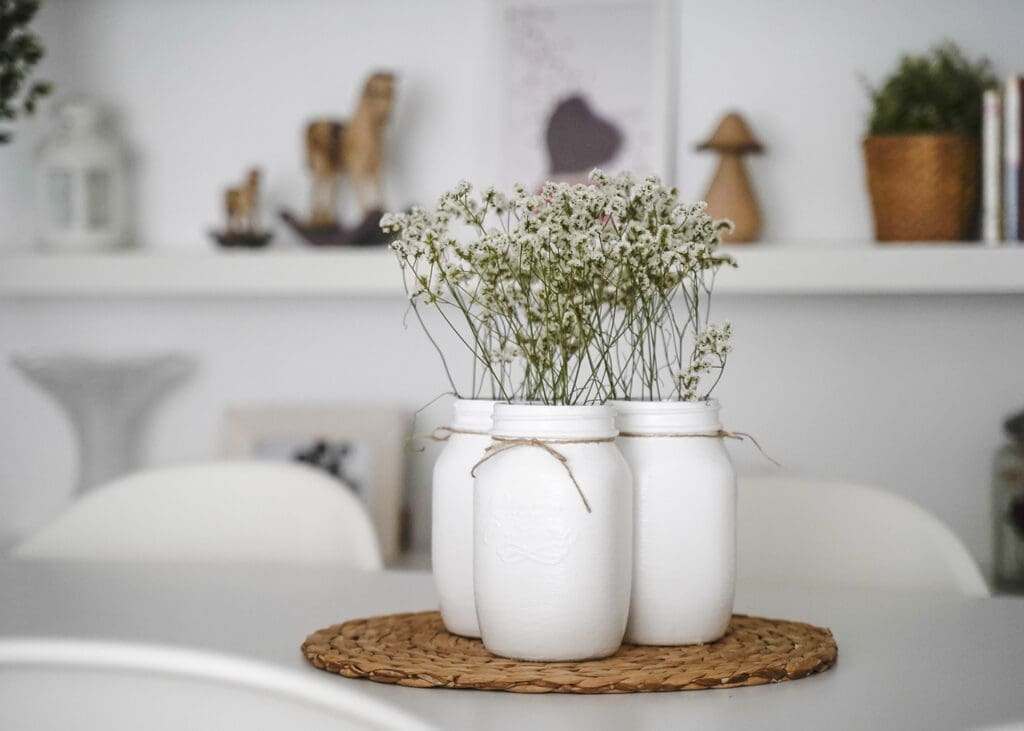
pixel 503 444
pixel 720 434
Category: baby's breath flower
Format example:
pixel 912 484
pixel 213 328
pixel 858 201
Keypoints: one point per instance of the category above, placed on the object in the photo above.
pixel 567 294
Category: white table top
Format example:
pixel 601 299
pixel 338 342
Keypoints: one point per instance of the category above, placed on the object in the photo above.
pixel 906 660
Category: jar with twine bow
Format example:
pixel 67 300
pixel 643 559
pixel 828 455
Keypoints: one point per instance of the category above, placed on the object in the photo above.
pixel 553 530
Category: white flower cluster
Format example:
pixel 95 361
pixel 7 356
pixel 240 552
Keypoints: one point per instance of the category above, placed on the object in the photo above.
pixel 709 354
pixel 566 295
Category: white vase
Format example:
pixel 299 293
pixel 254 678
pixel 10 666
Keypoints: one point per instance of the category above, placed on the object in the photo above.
pixel 552 580
pixel 684 521
pixel 451 538
pixel 108 402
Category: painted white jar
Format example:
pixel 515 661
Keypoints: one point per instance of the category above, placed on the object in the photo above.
pixel 684 521
pixel 552 579
pixel 451 537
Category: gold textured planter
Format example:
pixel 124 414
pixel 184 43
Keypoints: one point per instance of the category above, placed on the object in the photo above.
pixel 923 187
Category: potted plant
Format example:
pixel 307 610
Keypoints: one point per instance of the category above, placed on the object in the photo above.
pixel 20 51
pixel 923 147
pixel 523 282
pixel 442 290
pixel 672 357
pixel 573 301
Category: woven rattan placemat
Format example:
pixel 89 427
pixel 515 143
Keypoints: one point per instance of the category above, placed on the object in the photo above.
pixel 415 650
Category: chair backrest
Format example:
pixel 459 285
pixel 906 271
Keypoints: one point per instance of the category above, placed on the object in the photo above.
pixel 248 511
pixel 115 685
pixel 813 532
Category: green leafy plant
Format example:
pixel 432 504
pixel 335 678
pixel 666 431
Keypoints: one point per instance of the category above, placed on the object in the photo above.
pixel 937 93
pixel 20 51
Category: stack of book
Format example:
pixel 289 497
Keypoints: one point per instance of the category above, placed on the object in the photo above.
pixel 1002 178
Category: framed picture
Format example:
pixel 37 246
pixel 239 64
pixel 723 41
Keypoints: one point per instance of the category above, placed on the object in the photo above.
pixel 363 448
pixel 585 85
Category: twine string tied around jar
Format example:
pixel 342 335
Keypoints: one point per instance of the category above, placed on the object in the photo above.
pixel 720 434
pixel 441 434
pixel 503 444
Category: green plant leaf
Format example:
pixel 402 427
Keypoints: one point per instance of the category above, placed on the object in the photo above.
pixel 20 51
pixel 936 93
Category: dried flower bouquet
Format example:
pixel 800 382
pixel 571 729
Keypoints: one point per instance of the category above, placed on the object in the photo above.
pixel 576 294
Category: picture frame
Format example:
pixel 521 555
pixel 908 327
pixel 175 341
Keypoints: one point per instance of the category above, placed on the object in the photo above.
pixel 362 447
pixel 586 84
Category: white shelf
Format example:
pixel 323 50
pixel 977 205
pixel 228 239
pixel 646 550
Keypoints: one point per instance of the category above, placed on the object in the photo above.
pixel 870 268
pixel 350 273
pixel 765 269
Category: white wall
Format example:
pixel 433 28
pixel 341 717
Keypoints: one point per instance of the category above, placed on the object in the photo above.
pixel 794 68
pixel 204 89
pixel 903 392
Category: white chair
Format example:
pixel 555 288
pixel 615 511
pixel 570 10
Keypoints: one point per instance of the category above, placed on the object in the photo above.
pixel 812 532
pixel 118 686
pixel 245 511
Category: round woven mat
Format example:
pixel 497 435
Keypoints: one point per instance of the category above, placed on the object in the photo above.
pixel 415 650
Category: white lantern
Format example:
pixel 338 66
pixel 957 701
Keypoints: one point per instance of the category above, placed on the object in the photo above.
pixel 80 183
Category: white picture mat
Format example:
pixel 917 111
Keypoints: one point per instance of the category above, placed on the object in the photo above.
pixel 381 434
pixel 357 462
pixel 625 60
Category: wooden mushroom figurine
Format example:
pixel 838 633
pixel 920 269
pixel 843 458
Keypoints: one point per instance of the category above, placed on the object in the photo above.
pixel 731 195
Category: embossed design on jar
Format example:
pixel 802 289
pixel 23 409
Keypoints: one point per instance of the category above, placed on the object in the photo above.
pixel 533 532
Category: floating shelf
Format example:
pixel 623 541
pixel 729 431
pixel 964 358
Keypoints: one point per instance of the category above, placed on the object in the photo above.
pixel 871 269
pixel 765 269
pixel 348 273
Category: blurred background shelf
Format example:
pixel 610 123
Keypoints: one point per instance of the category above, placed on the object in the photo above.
pixel 350 273
pixel 871 268
pixel 765 269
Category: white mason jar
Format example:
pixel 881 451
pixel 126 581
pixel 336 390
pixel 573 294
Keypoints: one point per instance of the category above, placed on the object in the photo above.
pixel 451 536
pixel 684 521
pixel 552 579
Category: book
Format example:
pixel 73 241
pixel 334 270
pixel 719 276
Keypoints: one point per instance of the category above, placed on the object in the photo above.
pixel 1011 159
pixel 991 167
